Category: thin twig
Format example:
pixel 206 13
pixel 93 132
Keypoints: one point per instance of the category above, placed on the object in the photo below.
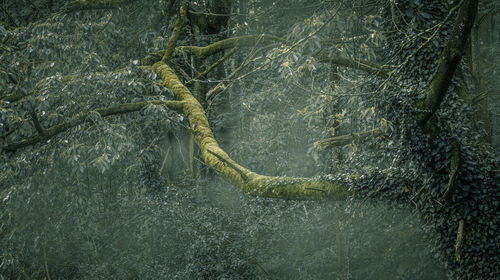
pixel 242 174
pixel 316 189
pixel 211 67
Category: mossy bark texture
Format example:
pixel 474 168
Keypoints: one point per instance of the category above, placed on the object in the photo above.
pixel 175 35
pixel 217 47
pixel 219 160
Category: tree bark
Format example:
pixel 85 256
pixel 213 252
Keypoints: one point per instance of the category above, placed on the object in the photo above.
pixel 217 47
pixel 84 117
pixel 448 61
pixel 248 181
pixel 175 34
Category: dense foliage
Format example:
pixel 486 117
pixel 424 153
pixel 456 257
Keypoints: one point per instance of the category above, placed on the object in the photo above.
pixel 127 196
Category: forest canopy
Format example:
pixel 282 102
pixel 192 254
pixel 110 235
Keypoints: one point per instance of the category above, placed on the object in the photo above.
pixel 249 139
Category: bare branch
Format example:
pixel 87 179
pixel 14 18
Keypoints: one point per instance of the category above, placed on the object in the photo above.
pixel 84 117
pixel 211 67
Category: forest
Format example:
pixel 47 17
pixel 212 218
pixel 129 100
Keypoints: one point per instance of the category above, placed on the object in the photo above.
pixel 249 139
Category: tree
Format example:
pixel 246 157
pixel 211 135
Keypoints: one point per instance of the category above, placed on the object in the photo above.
pixel 398 89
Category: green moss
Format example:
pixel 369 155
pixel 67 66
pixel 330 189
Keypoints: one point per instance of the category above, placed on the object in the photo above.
pixel 219 160
pixel 241 41
pixel 175 34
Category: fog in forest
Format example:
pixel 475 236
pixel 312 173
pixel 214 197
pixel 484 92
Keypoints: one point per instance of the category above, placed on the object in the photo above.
pixel 249 139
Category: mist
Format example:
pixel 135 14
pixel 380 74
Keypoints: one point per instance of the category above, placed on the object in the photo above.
pixel 249 139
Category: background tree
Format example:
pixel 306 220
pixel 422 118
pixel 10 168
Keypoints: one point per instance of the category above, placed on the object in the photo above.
pixel 102 102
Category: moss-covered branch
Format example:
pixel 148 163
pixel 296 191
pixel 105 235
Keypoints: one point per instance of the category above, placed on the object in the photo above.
pixel 349 138
pixel 253 40
pixel 78 5
pixel 172 41
pixel 219 160
pixel 203 52
pixel 240 41
pixel 448 60
pixel 84 117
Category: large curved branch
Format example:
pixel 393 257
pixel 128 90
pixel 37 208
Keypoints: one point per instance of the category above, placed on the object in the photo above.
pixel 84 117
pixel 448 61
pixel 219 160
